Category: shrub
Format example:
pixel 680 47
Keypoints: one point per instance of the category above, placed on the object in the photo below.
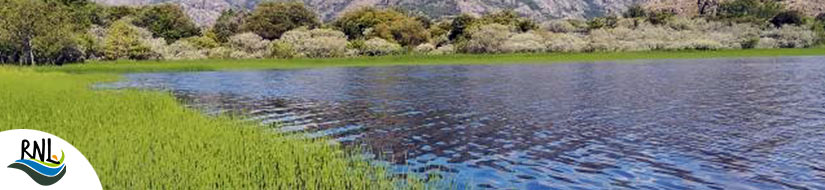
pixel 635 11
pixel 629 22
pixel 524 42
pixel 788 17
pixel 378 46
pixel 167 21
pixel 228 24
pixel 355 23
pixel 242 55
pixel 461 26
pixel 488 39
pixel 602 22
pixel 219 53
pixel 270 19
pixel 565 43
pixel 249 43
pixel 314 43
pixel 93 42
pixel 559 26
pixel 660 17
pixel 750 43
pixel 202 42
pixel 406 31
pixel 182 49
pixel 424 48
pixel 790 36
pixel 388 24
pixel 684 23
pixel 282 50
pixel 443 50
pixel 704 44
pixel 749 10
pixel 508 18
pixel 123 41
pixel 767 43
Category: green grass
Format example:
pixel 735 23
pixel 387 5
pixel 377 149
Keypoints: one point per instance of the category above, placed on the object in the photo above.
pixel 211 65
pixel 147 140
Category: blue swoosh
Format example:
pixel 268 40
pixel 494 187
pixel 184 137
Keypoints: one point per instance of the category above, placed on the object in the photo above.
pixel 40 168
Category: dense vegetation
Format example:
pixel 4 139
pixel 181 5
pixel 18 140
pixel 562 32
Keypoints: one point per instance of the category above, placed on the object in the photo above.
pixel 56 32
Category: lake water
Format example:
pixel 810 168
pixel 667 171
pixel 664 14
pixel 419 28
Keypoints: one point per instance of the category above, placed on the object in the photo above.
pixel 671 124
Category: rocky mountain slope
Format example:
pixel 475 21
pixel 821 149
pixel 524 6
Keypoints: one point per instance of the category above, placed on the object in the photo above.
pixel 207 11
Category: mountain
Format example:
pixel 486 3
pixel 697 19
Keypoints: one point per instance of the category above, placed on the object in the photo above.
pixel 205 12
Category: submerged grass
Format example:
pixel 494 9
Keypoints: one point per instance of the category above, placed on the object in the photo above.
pixel 211 65
pixel 147 140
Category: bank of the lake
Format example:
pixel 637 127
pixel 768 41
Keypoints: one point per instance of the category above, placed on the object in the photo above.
pixel 147 140
pixel 253 64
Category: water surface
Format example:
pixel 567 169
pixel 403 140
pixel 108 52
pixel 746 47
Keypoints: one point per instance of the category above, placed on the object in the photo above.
pixel 672 124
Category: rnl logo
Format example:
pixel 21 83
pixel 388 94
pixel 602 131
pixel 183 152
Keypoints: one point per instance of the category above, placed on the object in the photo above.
pixel 40 160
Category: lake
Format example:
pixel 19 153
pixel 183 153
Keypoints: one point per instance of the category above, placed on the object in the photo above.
pixel 756 123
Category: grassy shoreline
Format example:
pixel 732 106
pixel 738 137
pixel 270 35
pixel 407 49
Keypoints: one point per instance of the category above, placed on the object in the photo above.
pixel 458 59
pixel 147 140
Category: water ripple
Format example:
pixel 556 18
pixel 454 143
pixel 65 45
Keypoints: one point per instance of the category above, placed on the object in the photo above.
pixel 678 124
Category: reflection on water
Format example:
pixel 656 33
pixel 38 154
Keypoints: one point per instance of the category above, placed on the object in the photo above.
pixel 685 124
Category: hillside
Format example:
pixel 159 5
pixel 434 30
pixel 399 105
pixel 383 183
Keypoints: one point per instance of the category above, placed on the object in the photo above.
pixel 206 11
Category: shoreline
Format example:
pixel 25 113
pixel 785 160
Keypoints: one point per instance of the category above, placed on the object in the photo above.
pixel 127 66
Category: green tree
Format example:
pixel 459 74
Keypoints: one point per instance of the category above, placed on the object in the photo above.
pixel 788 17
pixel 509 18
pixel 820 17
pixel 635 11
pixel 460 27
pixel 354 23
pixel 270 20
pixel 660 17
pixel 35 27
pixel 228 24
pixel 749 10
pixel 123 42
pixel 407 32
pixel 167 21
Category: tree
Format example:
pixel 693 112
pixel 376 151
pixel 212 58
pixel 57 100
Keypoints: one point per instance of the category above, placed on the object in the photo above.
pixel 270 20
pixel 167 21
pixel 749 10
pixel 788 17
pixel 30 25
pixel 228 24
pixel 460 26
pixel 635 11
pixel 355 23
pixel 509 18
pixel 488 39
pixel 123 41
pixel 820 17
pixel 407 32
pixel 388 24
pixel 660 17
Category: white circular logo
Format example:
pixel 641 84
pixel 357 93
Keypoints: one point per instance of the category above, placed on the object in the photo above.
pixel 35 159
